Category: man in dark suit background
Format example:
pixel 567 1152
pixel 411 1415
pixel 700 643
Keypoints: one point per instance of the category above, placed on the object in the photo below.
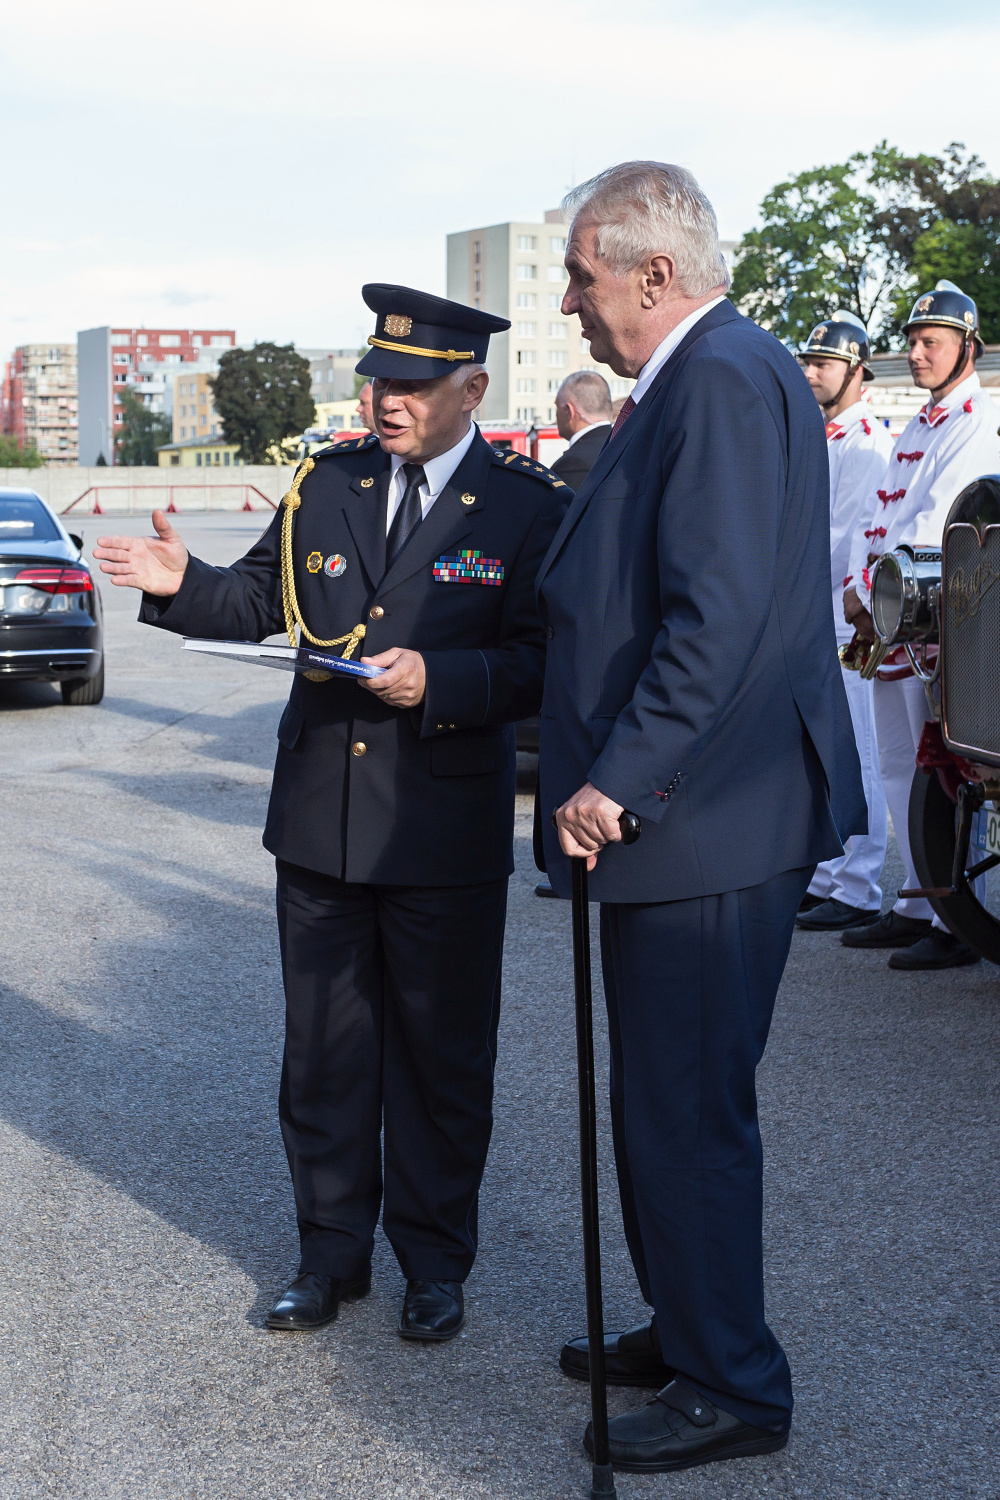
pixel 692 678
pixel 583 417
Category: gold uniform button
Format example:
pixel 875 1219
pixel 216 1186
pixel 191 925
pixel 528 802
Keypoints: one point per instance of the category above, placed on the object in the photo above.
pixel 359 747
pixel 376 612
pixel 440 726
pixel 451 726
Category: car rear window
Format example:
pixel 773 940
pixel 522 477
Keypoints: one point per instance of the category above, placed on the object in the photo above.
pixel 25 519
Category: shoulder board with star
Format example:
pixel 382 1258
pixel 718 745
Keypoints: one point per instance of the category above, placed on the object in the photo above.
pixel 509 458
pixel 352 445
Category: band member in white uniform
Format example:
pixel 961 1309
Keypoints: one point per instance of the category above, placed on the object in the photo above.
pixel 845 892
pixel 950 442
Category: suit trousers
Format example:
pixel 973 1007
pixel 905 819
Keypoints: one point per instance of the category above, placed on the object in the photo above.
pixel 854 876
pixel 690 989
pixel 392 1000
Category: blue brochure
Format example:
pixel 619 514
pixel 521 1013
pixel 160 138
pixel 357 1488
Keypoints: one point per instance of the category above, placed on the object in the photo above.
pixel 285 658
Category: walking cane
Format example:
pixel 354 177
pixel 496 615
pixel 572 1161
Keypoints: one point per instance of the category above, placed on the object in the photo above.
pixel 603 1484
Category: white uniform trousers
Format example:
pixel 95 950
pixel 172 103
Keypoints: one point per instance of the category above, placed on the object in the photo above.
pixel 901 712
pixel 854 877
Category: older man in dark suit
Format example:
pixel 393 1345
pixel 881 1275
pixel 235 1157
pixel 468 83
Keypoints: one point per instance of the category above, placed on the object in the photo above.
pixel 583 416
pixel 692 678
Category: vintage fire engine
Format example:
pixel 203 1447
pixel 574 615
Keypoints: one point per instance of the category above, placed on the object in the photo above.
pixel 936 612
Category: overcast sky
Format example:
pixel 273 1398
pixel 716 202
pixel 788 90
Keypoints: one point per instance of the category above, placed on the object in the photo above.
pixel 249 165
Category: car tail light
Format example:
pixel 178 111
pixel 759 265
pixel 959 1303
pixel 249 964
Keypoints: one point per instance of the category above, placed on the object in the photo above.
pixel 57 580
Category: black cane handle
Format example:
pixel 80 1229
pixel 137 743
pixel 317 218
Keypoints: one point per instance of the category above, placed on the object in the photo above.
pixel 631 827
pixel 629 823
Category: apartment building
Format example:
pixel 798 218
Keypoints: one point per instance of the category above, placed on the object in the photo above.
pixel 144 360
pixel 39 404
pixel 194 414
pixel 331 372
pixel 517 272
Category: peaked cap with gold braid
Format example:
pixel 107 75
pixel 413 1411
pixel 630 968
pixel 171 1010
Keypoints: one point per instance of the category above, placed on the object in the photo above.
pixel 420 337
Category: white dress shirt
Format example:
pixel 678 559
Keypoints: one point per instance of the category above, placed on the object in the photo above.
pixel 936 455
pixel 663 351
pixel 591 427
pixel 437 472
pixel 858 447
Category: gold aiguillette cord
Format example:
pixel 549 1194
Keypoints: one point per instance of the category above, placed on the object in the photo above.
pixel 289 598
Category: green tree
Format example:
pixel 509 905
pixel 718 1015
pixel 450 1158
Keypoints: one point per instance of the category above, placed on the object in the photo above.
pixel 13 456
pixel 865 234
pixel 824 243
pixel 952 229
pixel 141 433
pixel 262 396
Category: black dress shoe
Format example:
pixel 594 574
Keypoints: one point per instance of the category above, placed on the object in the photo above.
pixel 679 1429
pixel 313 1300
pixel 631 1358
pixel 432 1311
pixel 544 888
pixel 808 902
pixel 890 931
pixel 833 915
pixel 938 950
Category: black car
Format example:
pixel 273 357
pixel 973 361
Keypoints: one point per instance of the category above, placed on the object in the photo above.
pixel 51 622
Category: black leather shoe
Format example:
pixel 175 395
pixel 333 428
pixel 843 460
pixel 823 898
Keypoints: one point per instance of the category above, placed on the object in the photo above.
pixel 544 888
pixel 890 931
pixel 938 950
pixel 432 1311
pixel 679 1429
pixel 809 902
pixel 313 1300
pixel 631 1358
pixel 833 915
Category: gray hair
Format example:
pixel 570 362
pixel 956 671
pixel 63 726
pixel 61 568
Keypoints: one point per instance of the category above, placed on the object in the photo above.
pixel 589 391
pixel 645 208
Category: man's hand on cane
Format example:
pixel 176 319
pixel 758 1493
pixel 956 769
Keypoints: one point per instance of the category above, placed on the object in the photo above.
pixel 587 822
pixel 154 564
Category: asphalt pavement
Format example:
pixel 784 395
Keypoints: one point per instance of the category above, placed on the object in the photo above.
pixel 147 1220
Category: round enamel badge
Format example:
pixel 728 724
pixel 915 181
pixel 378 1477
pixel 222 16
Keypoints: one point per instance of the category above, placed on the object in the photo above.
pixel 335 565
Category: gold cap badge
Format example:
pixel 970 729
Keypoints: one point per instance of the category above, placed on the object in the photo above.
pixel 925 304
pixel 397 325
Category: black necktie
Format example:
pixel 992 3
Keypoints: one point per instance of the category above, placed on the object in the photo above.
pixel 408 515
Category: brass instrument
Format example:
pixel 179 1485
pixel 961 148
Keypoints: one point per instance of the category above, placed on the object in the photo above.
pixel 860 655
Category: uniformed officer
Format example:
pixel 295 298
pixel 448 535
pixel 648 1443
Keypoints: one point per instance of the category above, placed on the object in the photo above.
pixel 845 892
pixel 951 441
pixel 391 811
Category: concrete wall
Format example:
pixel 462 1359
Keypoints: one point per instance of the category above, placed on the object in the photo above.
pixel 138 491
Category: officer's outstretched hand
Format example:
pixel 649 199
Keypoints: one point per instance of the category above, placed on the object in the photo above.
pixel 403 683
pixel 154 564
pixel 587 822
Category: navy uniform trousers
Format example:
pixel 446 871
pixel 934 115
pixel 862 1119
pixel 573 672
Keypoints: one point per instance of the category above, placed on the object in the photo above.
pixel 690 988
pixel 392 1003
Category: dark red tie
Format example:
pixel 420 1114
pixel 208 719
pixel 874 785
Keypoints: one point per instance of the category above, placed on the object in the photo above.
pixel 627 408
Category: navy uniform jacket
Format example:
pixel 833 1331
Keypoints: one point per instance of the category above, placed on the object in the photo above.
pixel 692 670
pixel 431 799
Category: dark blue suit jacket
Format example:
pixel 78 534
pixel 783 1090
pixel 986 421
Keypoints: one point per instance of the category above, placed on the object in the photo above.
pixel 431 800
pixel 692 670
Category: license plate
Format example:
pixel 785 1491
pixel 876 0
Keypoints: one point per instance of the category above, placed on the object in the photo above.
pixel 986 831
